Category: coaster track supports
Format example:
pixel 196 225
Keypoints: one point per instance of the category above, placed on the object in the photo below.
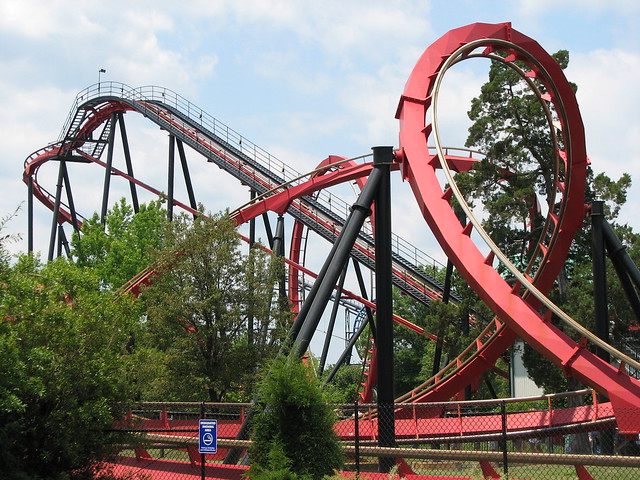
pixel 56 209
pixel 107 170
pixel 626 269
pixel 30 214
pixel 347 351
pixel 382 159
pixel 127 159
pixel 368 321
pixel 171 176
pixel 312 309
pixel 599 276
pixel 446 294
pixel 332 321
pixel 187 176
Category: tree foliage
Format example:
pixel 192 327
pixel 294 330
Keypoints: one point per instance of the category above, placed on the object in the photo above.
pixel 455 324
pixel 209 317
pixel 124 245
pixel 511 128
pixel 210 313
pixel 343 388
pixel 63 379
pixel 293 435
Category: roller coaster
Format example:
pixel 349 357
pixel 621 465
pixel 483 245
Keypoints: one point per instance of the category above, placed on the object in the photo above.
pixel 306 204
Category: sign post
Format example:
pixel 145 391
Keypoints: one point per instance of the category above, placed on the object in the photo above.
pixel 208 430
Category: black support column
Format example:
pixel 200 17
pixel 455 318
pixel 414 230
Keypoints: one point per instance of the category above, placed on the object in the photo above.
pixel 598 223
pixel 72 207
pixel 30 214
pixel 332 321
pixel 278 250
pixel 312 309
pixel 171 176
pixel 56 210
pixel 127 158
pixel 446 295
pixel 626 269
pixel 107 169
pixel 382 159
pixel 187 176
pixel 599 276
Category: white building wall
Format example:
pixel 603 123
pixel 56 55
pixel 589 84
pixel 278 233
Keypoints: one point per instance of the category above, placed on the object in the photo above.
pixel 521 384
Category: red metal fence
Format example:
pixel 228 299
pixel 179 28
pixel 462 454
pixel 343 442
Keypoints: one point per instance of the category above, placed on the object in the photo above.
pixel 560 436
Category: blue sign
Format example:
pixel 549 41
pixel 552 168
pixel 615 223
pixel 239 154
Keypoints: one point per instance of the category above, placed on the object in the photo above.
pixel 208 436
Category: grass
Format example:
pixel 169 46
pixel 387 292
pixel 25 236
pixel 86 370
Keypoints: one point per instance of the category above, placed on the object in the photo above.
pixel 469 469
pixel 520 471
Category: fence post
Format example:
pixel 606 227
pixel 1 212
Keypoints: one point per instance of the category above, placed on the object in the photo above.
pixel 202 455
pixel 505 459
pixel 357 437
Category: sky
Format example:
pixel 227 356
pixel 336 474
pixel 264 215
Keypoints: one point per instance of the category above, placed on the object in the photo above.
pixel 303 80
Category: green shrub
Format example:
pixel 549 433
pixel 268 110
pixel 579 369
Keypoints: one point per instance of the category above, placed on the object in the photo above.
pixel 293 435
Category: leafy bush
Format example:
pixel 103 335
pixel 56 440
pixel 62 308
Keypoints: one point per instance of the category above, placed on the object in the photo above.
pixel 63 380
pixel 293 435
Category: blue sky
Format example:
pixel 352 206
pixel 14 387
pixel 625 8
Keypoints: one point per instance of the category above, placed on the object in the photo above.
pixel 301 79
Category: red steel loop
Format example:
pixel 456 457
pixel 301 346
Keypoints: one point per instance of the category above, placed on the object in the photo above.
pixel 419 169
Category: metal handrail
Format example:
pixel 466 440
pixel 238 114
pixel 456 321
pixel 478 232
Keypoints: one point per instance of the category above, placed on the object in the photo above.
pixel 151 93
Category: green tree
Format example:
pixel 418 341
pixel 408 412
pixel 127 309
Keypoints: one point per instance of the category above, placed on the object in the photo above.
pixel 511 128
pixel 410 349
pixel 63 379
pixel 210 313
pixel 293 435
pixel 343 388
pixel 124 245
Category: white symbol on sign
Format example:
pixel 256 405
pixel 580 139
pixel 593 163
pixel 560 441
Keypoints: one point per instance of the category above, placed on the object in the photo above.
pixel 207 439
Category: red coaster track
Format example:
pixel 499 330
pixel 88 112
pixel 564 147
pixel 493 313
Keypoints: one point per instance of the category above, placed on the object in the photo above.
pixel 519 306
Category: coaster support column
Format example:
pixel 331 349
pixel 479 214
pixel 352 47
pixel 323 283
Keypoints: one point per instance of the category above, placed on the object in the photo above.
pixel 382 159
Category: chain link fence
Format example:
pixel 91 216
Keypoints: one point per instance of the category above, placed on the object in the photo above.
pixel 550 437
pixel 163 442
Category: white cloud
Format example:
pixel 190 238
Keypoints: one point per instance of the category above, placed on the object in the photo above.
pixel 33 19
pixel 608 99
pixel 545 7
pixel 340 27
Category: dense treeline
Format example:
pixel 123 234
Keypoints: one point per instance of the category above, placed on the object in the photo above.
pixel 76 352
pixel 64 368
